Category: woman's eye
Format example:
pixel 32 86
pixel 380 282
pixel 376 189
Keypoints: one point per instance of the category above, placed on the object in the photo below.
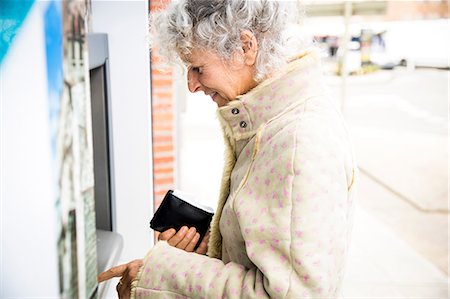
pixel 198 69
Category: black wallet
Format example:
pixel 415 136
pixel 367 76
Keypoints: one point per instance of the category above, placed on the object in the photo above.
pixel 175 212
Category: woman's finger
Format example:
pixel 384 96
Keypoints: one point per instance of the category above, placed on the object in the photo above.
pixel 178 236
pixel 166 235
pixel 130 274
pixel 123 290
pixel 187 238
pixel 137 264
pixel 121 286
pixel 190 247
pixel 124 286
pixel 203 247
pixel 116 271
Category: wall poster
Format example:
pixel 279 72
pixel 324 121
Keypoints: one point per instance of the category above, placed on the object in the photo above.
pixel 56 66
pixel 70 119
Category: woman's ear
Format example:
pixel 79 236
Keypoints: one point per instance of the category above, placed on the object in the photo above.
pixel 249 47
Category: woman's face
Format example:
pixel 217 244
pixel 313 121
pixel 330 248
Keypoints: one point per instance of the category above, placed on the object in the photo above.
pixel 222 80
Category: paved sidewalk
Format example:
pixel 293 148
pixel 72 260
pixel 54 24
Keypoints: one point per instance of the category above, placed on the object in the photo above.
pixel 381 265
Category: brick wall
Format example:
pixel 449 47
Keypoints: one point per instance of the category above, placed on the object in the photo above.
pixel 163 125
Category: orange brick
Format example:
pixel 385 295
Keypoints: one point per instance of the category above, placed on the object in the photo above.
pixel 163 148
pixel 163 181
pixel 157 155
pixel 162 94
pixel 163 160
pixel 165 120
pixel 165 141
pixel 162 134
pixel 159 132
pixel 163 105
pixel 157 139
pixel 162 82
pixel 161 192
pixel 162 117
pixel 162 75
pixel 164 170
pixel 161 127
pixel 162 111
pixel 162 120
pixel 162 72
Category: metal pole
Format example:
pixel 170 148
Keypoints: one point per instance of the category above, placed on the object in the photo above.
pixel 348 11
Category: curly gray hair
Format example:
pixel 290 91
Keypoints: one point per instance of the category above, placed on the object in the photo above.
pixel 217 25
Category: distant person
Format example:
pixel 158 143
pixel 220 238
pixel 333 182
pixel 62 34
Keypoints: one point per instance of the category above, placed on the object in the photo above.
pixel 281 228
pixel 333 44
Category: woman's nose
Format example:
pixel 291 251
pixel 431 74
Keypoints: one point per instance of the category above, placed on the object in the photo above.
pixel 193 84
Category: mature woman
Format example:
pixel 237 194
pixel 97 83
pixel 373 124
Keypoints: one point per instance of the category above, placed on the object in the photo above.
pixel 281 228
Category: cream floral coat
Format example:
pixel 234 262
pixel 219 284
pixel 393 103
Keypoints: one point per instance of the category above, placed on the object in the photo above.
pixel 281 229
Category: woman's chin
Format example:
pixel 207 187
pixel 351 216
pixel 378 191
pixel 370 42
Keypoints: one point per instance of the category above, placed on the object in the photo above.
pixel 219 101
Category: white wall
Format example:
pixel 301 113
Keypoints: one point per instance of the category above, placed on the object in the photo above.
pixel 28 236
pixel 126 23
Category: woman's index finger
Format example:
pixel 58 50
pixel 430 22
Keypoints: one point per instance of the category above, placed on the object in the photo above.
pixel 167 234
pixel 116 271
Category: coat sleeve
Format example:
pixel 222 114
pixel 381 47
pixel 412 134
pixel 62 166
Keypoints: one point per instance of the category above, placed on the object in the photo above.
pixel 293 214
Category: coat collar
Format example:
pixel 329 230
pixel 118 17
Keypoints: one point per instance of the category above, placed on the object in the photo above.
pixel 242 117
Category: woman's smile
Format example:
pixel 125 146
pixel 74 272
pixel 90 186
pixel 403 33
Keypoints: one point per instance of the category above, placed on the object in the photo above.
pixel 222 80
pixel 213 95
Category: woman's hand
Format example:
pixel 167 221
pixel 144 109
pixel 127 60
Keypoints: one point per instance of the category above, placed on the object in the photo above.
pixel 186 239
pixel 127 272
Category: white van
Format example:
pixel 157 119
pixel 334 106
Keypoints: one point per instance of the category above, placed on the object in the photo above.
pixel 422 43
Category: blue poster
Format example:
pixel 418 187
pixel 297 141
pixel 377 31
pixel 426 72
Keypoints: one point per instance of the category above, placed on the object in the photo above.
pixel 12 15
pixel 54 63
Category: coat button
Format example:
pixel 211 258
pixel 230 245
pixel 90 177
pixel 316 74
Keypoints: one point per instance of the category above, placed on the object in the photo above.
pixel 243 124
pixel 235 111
